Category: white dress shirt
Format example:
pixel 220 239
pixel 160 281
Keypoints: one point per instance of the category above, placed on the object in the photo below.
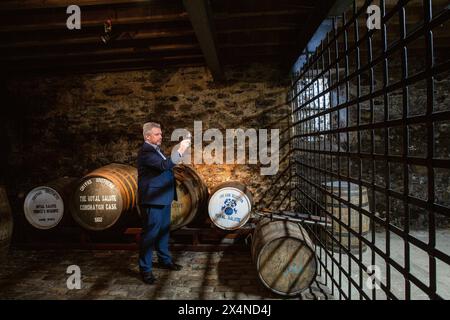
pixel 176 156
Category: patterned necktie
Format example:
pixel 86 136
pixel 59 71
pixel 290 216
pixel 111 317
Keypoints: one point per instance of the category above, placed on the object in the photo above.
pixel 160 153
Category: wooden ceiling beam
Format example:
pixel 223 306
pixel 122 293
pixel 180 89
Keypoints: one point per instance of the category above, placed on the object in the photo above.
pixel 137 45
pixel 159 50
pixel 261 44
pixel 69 64
pixel 113 66
pixel 14 5
pixel 240 15
pixel 259 5
pixel 259 23
pixel 96 23
pixel 149 35
pixel 259 29
pixel 139 36
pixel 200 16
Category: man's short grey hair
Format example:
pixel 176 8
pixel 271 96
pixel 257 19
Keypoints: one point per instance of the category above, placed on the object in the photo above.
pixel 147 127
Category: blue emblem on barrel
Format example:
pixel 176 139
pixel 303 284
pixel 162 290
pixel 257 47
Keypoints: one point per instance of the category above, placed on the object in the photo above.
pixel 229 206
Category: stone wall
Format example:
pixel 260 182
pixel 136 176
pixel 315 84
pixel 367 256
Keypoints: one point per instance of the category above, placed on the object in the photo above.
pixel 69 125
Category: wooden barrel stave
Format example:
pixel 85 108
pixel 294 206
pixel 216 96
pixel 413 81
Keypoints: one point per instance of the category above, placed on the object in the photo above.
pixel 187 176
pixel 6 222
pixel 185 208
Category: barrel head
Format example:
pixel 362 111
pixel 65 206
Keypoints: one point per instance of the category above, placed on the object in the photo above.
pixel 43 207
pixel 229 208
pixel 286 266
pixel 97 203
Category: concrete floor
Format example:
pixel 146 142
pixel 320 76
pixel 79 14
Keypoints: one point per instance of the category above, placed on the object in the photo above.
pixel 114 275
pixel 419 267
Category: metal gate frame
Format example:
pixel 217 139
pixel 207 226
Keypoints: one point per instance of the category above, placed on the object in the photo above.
pixel 317 101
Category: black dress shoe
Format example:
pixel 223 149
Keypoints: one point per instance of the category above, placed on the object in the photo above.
pixel 172 266
pixel 148 277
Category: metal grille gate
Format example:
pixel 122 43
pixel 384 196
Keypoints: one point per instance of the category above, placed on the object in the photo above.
pixel 370 116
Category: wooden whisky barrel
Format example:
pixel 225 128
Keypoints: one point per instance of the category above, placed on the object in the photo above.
pixel 284 256
pixel 332 206
pixel 192 194
pixel 104 195
pixel 230 205
pixel 45 206
pixel 6 222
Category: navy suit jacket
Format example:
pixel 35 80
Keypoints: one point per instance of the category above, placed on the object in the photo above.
pixel 156 182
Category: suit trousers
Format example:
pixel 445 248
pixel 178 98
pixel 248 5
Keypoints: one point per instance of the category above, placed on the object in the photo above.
pixel 155 234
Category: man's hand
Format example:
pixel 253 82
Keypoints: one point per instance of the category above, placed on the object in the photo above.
pixel 184 145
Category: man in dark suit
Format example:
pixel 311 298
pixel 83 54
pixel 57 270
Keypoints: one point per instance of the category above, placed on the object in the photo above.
pixel 157 190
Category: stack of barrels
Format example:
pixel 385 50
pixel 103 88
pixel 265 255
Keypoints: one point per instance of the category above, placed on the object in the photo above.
pixel 105 196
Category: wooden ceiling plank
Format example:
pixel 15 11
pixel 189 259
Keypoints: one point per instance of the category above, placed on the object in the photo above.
pixel 224 16
pixel 96 39
pixel 262 29
pixel 108 66
pixel 98 23
pixel 146 51
pixel 14 5
pixel 262 44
